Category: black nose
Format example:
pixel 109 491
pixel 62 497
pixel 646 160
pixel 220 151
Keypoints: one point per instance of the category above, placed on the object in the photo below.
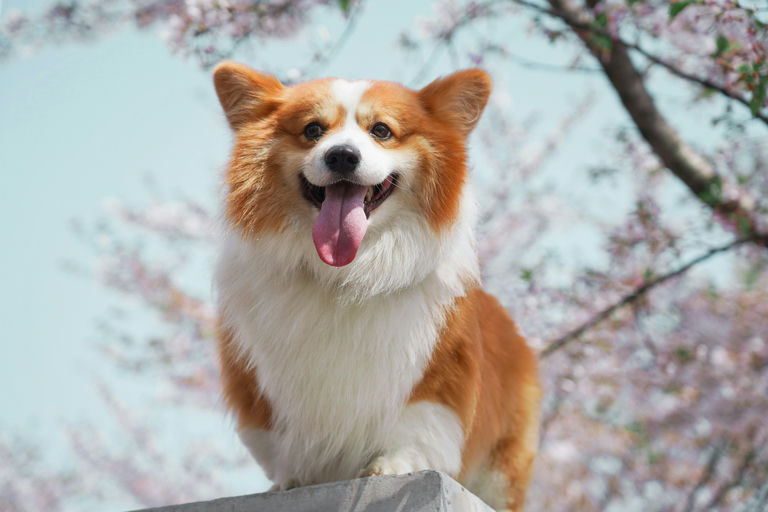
pixel 342 159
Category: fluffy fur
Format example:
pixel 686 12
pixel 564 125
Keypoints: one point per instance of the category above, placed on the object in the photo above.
pixel 396 361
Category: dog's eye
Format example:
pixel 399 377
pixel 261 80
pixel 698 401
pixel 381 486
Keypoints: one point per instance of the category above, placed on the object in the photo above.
pixel 381 131
pixel 313 130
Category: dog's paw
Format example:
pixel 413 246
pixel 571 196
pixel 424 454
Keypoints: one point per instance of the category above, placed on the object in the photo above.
pixel 395 464
pixel 284 486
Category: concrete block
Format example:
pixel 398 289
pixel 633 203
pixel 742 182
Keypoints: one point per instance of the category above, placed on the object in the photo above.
pixel 426 491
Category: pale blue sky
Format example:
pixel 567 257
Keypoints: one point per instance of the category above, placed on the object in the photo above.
pixel 82 122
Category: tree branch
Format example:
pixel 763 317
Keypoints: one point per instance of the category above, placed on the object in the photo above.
pixel 535 65
pixel 693 170
pixel 759 500
pixel 737 479
pixel 706 475
pixel 446 36
pixel 635 295
pixel 324 59
pixel 580 21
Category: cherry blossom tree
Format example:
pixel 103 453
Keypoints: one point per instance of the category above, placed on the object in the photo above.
pixel 654 353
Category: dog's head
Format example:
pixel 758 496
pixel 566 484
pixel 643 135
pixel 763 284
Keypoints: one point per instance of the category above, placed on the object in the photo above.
pixel 359 168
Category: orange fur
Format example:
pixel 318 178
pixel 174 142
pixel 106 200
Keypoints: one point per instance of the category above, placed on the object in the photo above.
pixel 483 369
pixel 240 386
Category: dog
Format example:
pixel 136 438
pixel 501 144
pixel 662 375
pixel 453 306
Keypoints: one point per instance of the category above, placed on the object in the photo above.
pixel 354 337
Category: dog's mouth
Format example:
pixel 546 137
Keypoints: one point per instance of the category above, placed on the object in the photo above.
pixel 342 220
pixel 374 197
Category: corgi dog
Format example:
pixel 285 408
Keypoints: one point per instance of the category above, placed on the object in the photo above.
pixel 354 336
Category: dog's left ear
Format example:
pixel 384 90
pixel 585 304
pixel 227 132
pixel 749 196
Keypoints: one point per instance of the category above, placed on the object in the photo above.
pixel 458 99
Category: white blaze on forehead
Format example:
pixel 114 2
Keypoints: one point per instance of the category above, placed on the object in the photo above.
pixel 348 94
pixel 376 162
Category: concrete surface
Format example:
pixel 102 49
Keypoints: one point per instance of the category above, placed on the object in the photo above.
pixel 426 491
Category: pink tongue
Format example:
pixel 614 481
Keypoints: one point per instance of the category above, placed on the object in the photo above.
pixel 341 225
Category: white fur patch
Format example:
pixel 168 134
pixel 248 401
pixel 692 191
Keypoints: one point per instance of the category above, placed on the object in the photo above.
pixel 261 445
pixel 489 485
pixel 348 94
pixel 427 436
pixel 338 350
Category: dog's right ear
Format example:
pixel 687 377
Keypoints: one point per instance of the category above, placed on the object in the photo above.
pixel 245 94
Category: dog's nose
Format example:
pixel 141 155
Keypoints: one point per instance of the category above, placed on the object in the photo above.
pixel 342 159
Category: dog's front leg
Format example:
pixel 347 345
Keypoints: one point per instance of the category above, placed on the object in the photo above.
pixel 263 445
pixel 428 435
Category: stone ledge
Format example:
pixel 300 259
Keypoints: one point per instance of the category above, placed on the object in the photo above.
pixel 426 491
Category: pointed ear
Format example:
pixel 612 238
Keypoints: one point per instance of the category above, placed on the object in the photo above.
pixel 245 94
pixel 458 99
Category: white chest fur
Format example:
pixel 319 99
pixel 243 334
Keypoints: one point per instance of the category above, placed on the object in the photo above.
pixel 336 374
pixel 338 364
